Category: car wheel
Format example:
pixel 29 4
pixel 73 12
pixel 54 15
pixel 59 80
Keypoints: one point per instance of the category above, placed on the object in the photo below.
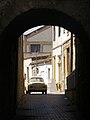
pixel 26 92
pixel 45 91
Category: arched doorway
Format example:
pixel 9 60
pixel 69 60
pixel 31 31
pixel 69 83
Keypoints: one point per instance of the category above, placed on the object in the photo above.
pixel 32 18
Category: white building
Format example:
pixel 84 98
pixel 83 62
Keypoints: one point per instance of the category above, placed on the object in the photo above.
pixel 61 53
pixel 37 48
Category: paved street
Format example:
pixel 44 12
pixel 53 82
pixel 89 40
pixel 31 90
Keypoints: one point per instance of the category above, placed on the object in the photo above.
pixel 46 107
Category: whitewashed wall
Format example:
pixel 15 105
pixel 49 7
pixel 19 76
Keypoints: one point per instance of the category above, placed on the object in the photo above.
pixel 43 71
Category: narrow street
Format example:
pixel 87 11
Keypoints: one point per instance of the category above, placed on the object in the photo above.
pixel 46 107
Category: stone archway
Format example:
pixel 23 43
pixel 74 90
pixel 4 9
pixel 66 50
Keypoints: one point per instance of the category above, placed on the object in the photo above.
pixel 23 22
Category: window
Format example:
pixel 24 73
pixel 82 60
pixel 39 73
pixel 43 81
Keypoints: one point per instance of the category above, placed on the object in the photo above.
pixel 68 60
pixel 59 31
pixel 48 73
pixel 35 47
pixel 54 67
pixel 63 31
pixel 37 70
pixel 67 33
pixel 54 33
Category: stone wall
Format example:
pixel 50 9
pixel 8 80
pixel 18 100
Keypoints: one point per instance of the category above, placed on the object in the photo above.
pixel 16 16
pixel 20 80
pixel 79 10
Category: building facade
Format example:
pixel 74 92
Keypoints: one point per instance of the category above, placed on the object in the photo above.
pixel 63 53
pixel 37 48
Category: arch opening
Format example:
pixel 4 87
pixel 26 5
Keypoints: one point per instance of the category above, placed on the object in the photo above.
pixel 37 17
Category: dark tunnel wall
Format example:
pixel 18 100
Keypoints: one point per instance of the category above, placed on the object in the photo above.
pixel 9 48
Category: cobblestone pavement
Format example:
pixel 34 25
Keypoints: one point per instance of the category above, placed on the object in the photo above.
pixel 46 107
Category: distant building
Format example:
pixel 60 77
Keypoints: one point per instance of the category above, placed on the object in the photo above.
pixel 37 50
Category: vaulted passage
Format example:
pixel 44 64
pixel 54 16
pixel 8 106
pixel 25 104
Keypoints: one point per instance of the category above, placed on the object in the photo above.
pixel 11 64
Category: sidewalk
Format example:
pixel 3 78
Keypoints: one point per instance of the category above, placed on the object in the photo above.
pixel 52 88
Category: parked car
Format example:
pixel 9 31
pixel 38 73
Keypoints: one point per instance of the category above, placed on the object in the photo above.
pixel 37 84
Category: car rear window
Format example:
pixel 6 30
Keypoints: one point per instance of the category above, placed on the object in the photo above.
pixel 36 80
